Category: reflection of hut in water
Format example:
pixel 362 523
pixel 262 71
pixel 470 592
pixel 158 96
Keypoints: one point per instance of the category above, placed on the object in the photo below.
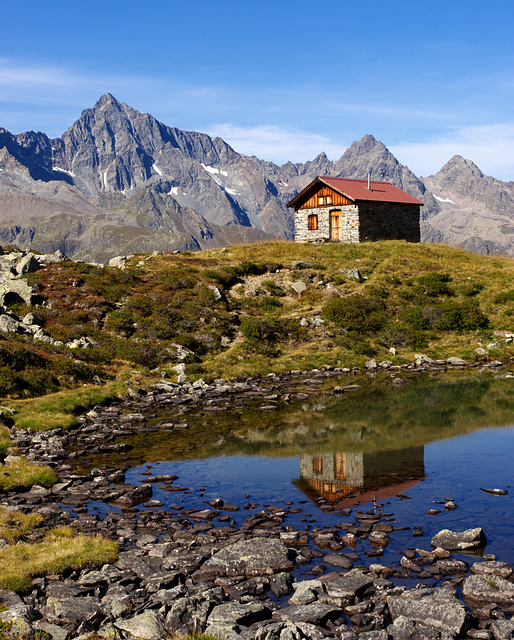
pixel 339 477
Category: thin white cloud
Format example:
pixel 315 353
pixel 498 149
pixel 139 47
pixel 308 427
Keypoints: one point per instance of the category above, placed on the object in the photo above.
pixel 490 147
pixel 16 75
pixel 278 144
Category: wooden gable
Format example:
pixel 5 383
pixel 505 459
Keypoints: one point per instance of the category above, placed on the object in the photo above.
pixel 322 196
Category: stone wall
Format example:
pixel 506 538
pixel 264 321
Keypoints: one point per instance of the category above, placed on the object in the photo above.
pixel 389 221
pixel 369 221
pixel 349 224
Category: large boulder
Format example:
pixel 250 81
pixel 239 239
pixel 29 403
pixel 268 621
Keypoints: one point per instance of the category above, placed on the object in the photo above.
pixel 438 609
pixel 255 557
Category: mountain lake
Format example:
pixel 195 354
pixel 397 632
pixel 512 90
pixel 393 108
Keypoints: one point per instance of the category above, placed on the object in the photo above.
pixel 404 450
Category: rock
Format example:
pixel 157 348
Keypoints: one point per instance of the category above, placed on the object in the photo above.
pixel 32 319
pixel 337 560
pixel 306 592
pixel 258 556
pixel 12 291
pixel 301 264
pixel 119 261
pixel 54 631
pixel 28 264
pixel 299 286
pixel 148 625
pixel 460 541
pixel 488 588
pixel 135 496
pixel 456 361
pixel 348 586
pixel 353 274
pixel 238 613
pixel 291 631
pixel 281 584
pixel 502 629
pixel 494 567
pixel 74 610
pixel 9 324
pixel 436 608
pixel 371 364
pixel 316 613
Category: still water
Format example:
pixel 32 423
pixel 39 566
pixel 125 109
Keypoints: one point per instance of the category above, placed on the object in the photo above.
pixel 401 450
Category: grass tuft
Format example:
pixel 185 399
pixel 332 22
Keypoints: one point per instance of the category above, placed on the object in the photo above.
pixel 20 473
pixel 21 563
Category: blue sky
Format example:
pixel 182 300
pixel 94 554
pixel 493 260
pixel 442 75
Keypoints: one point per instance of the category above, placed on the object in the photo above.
pixel 279 80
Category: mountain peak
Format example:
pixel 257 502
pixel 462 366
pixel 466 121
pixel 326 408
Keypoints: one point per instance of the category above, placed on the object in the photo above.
pixel 107 99
pixel 457 165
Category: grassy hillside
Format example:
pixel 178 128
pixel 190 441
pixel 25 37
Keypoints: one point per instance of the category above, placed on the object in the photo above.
pixel 253 309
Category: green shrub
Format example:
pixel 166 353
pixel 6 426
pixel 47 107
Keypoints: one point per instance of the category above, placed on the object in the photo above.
pixel 504 297
pixel 225 278
pixel 462 316
pixel 122 322
pixel 263 334
pixel 269 303
pixel 247 268
pixel 274 290
pixel 414 318
pixel 363 314
pixel 471 289
pixel 174 280
pixel 434 285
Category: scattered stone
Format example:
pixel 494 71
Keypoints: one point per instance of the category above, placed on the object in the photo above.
pixel 460 541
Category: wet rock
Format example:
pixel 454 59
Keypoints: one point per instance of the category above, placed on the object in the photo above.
pixel 436 608
pixel 148 625
pixel 337 560
pixel 488 588
pixel 257 556
pixel 135 496
pixel 452 566
pixel 494 567
pixel 460 541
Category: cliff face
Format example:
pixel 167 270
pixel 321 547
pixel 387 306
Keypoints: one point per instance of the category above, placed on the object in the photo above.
pixel 118 180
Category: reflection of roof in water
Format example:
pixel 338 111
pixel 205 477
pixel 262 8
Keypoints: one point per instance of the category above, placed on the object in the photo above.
pixel 345 496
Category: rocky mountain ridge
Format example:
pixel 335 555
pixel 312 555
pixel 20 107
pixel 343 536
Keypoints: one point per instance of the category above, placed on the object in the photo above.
pixel 118 181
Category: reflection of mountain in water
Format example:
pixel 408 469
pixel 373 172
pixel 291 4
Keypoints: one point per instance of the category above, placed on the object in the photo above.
pixel 357 476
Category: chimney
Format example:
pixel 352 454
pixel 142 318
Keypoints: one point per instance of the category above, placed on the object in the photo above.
pixel 369 181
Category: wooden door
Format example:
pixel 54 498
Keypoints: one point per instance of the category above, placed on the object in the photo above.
pixel 335 225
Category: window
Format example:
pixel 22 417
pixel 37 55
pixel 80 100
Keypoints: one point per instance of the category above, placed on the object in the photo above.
pixel 317 465
pixel 321 201
pixel 313 222
pixel 328 200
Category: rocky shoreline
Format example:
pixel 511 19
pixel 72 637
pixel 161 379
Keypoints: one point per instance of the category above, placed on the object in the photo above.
pixel 180 571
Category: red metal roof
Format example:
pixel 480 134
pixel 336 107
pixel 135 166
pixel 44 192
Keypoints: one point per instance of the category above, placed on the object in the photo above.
pixel 357 190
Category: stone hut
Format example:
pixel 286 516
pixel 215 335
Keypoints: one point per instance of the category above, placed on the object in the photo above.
pixel 345 210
